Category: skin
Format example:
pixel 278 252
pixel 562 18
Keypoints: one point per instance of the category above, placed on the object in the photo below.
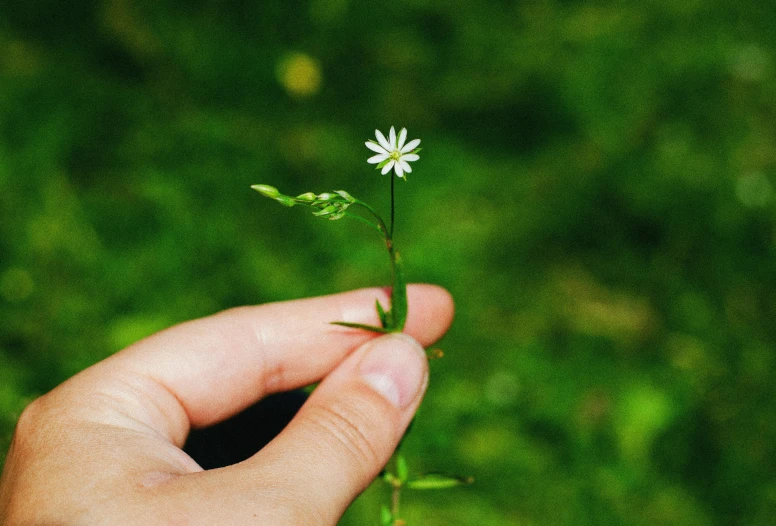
pixel 104 447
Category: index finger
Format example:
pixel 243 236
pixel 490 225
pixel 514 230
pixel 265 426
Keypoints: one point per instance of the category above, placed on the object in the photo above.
pixel 204 371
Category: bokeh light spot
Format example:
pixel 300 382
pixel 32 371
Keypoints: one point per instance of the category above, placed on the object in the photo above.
pixel 300 74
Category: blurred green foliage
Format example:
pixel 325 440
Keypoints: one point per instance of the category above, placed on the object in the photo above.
pixel 596 189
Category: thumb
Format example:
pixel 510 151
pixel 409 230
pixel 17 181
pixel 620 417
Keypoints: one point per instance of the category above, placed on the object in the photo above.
pixel 347 430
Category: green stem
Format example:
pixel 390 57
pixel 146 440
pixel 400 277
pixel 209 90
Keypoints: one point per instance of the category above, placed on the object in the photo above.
pixel 398 312
pixel 392 320
pixel 392 203
pixel 395 503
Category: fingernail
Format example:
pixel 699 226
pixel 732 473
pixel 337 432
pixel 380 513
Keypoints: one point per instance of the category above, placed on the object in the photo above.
pixel 396 367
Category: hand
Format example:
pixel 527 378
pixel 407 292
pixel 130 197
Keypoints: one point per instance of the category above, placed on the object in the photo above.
pixel 105 446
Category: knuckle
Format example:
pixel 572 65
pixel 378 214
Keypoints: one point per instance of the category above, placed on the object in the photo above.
pixel 38 424
pixel 29 422
pixel 350 426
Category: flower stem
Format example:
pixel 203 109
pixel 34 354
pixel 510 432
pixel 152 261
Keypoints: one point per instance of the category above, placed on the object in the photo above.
pixel 392 204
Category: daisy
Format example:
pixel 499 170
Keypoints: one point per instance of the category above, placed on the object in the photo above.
pixel 393 154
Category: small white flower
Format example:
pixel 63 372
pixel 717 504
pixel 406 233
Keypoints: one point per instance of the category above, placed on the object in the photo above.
pixel 398 154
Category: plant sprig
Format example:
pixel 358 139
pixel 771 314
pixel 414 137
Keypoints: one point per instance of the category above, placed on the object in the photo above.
pixel 392 154
pixel 400 479
pixel 336 205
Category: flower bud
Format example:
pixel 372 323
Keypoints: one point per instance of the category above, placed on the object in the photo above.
pixel 345 195
pixel 326 211
pixel 307 197
pixel 266 190
pixel 285 200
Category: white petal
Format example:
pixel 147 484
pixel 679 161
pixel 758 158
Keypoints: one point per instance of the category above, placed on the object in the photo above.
pixel 383 141
pixel 405 166
pixel 377 159
pixel 410 146
pixel 399 169
pixel 392 138
pixel 410 157
pixel 387 167
pixel 402 138
pixel 376 148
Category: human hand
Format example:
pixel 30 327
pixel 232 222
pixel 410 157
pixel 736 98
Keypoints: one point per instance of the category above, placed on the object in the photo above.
pixel 105 446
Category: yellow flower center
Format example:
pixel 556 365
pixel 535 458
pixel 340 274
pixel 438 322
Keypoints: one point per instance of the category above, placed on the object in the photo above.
pixel 395 155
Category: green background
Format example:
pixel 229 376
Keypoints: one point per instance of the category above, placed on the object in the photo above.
pixel 596 189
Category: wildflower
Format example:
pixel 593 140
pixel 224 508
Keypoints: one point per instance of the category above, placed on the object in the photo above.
pixel 392 153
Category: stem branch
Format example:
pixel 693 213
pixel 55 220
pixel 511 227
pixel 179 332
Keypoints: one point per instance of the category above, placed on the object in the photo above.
pixel 380 223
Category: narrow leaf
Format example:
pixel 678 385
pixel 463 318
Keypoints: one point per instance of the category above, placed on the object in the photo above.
pixel 382 314
pixel 362 326
pixel 438 481
pixel 386 517
pixel 402 471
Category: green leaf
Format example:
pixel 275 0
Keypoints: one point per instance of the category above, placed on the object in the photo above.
pixel 398 311
pixel 371 328
pixel 382 314
pixel 386 517
pixel 416 150
pixel 402 471
pixel 438 481
pixel 382 164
